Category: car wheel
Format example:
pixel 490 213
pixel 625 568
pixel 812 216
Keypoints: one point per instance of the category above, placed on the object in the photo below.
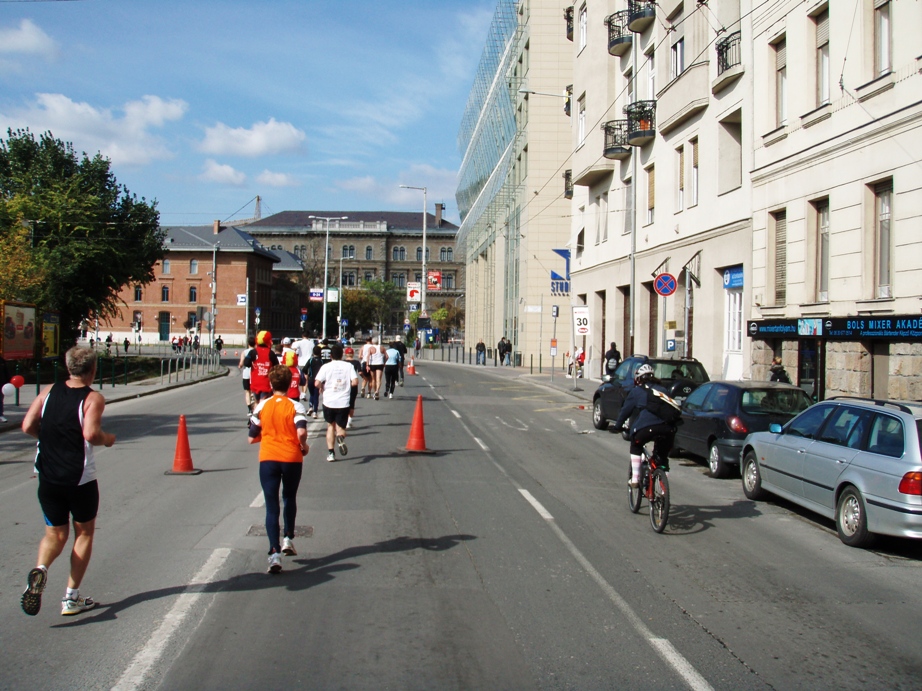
pixel 752 477
pixel 598 420
pixel 852 519
pixel 718 468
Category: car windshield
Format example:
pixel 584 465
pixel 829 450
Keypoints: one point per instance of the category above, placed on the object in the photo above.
pixel 774 401
pixel 674 370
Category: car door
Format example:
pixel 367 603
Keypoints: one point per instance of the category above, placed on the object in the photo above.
pixel 836 445
pixel 782 460
pixel 613 397
pixel 687 432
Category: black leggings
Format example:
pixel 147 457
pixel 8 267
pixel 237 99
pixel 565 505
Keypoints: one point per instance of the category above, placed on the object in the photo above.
pixel 391 374
pixel 662 436
pixel 288 475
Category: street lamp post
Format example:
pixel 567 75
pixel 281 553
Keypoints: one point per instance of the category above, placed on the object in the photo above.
pixel 214 290
pixel 326 260
pixel 425 280
pixel 340 294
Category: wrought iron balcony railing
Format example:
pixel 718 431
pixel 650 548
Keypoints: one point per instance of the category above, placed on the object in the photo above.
pixel 568 184
pixel 641 122
pixel 641 14
pixel 568 17
pixel 616 141
pixel 728 52
pixel 566 103
pixel 619 36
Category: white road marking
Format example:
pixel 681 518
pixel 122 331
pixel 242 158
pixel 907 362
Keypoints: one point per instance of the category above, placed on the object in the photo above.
pixel 482 445
pixel 259 502
pixel 544 513
pixel 523 428
pixel 456 414
pixel 150 653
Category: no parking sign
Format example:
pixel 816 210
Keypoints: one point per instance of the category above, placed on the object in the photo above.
pixel 665 284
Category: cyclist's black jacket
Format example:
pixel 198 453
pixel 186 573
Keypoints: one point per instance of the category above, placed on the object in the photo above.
pixel 637 398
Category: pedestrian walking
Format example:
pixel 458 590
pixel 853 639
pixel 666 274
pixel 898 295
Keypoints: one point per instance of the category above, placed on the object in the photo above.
pixel 778 371
pixel 334 380
pixel 66 418
pixel 126 343
pixel 481 350
pixel 391 369
pixel 279 426
pixel 416 347
pixel 109 344
pixel 219 344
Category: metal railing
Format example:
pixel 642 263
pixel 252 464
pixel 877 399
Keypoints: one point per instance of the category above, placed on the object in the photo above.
pixel 728 52
pixel 568 18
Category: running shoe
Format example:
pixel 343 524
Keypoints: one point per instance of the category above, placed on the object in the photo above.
pixel 341 443
pixel 314 414
pixel 81 604
pixel 376 397
pixel 349 424
pixel 331 456
pixel 401 382
pixel 3 419
pixel 275 563
pixel 32 597
pixel 391 394
pixel 288 547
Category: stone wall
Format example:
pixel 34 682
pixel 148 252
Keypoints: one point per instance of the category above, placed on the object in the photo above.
pixel 848 369
pixel 905 371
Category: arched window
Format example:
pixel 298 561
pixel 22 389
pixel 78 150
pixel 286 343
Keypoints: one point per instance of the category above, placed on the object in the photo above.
pixel 193 266
pixel 193 294
pixel 164 293
pixel 138 295
pixel 348 278
pixel 400 254
pixel 369 253
pixel 329 251
pixel 348 251
pixel 448 281
pixel 451 254
pixel 419 254
pixel 443 255
pixel 166 267
pixel 427 255
pixel 369 277
pixel 399 280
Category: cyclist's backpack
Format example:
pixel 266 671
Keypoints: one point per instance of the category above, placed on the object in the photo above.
pixel 665 408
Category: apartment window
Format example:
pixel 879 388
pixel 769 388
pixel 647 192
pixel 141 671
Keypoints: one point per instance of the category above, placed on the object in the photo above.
pixel 603 215
pixel 651 193
pixel 597 218
pixel 166 267
pixel 781 71
pixel 882 37
pixel 369 253
pixel 448 281
pixel 193 294
pixel 191 319
pixel 822 250
pixel 680 178
pixel 780 255
pixel 418 277
pixel 348 251
pixel 631 86
pixel 678 58
pixel 451 254
pixel 583 27
pixel 138 294
pixel 419 254
pixel 581 120
pixel 694 172
pixel 733 318
pixel 348 278
pixel 822 58
pixel 164 293
pixel 628 207
pixel 369 276
pixel 399 280
pixel 651 75
pixel 399 254
pixel 729 153
pixel 443 254
pixel 883 194
pixel 193 266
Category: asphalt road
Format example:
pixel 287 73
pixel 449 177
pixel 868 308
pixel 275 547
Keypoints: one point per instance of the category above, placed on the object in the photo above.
pixel 505 559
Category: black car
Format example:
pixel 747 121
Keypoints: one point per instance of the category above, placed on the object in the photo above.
pixel 681 376
pixel 717 416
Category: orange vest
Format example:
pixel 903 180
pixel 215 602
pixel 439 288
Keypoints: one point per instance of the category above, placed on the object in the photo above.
pixel 279 434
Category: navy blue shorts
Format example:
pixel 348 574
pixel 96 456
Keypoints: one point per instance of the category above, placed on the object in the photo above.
pixel 60 502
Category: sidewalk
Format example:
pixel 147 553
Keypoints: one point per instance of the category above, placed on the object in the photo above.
pixel 120 392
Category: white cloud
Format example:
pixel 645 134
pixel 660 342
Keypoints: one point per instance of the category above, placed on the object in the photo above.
pixel 28 39
pixel 126 140
pixel 440 186
pixel 270 179
pixel 262 139
pixel 222 174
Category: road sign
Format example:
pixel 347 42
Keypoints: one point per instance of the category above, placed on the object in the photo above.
pixel 257 311
pixel 581 319
pixel 316 294
pixel 345 322
pixel 406 322
pixel 665 284
pixel 414 291
pixel 241 299
pixel 304 310
pixel 414 307
pixel 553 347
pixel 406 327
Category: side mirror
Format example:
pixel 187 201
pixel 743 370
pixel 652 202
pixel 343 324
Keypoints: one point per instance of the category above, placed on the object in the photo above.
pixel 774 428
pixel 606 377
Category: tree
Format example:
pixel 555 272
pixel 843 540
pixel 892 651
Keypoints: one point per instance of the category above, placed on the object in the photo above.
pixel 359 307
pixel 87 235
pixel 387 299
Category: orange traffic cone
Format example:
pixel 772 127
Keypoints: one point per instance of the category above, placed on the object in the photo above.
pixel 411 368
pixel 182 460
pixel 416 442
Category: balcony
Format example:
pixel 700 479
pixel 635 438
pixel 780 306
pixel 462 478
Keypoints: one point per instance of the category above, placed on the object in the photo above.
pixel 568 184
pixel 619 36
pixel 641 14
pixel 566 104
pixel 728 52
pixel 683 97
pixel 641 122
pixel 616 142
pixel 568 17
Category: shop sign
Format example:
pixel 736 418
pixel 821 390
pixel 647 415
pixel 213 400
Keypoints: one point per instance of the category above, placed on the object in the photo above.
pixel 890 328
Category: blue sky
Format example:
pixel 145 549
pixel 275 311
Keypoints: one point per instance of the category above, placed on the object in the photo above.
pixel 203 105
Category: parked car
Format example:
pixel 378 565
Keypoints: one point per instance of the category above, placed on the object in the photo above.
pixel 857 461
pixel 681 376
pixel 717 416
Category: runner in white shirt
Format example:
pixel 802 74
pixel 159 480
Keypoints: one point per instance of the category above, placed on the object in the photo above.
pixel 376 365
pixel 367 379
pixel 303 347
pixel 335 380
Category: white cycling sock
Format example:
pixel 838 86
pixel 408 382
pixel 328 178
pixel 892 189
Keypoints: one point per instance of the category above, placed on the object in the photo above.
pixel 635 468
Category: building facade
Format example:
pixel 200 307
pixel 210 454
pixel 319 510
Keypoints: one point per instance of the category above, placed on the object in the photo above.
pixel 514 138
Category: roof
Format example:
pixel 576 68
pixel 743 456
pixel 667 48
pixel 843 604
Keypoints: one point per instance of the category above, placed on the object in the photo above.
pixel 287 261
pixel 395 220
pixel 203 238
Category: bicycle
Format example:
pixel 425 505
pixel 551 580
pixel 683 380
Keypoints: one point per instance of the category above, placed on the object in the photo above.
pixel 654 485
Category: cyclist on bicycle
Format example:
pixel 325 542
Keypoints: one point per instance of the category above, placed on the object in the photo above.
pixel 648 426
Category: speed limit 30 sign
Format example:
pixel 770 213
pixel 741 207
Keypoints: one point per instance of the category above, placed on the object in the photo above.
pixel 581 320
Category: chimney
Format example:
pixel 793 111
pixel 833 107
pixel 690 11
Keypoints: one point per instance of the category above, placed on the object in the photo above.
pixel 438 214
pixel 217 227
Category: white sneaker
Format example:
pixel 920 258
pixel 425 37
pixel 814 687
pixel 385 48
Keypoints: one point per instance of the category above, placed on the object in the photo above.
pixel 288 547
pixel 349 424
pixel 81 604
pixel 275 563
pixel 3 419
pixel 331 456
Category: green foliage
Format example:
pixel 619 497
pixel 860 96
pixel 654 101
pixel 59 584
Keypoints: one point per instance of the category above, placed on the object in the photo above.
pixel 439 315
pixel 88 236
pixel 387 298
pixel 359 308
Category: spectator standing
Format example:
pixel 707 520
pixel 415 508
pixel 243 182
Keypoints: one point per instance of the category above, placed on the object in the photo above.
pixel 66 418
pixel 778 371
pixel 507 351
pixel 481 351
pixel 219 344
pixel 334 380
pixel 612 359
pixel 416 347
pixel 126 343
pixel 279 426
